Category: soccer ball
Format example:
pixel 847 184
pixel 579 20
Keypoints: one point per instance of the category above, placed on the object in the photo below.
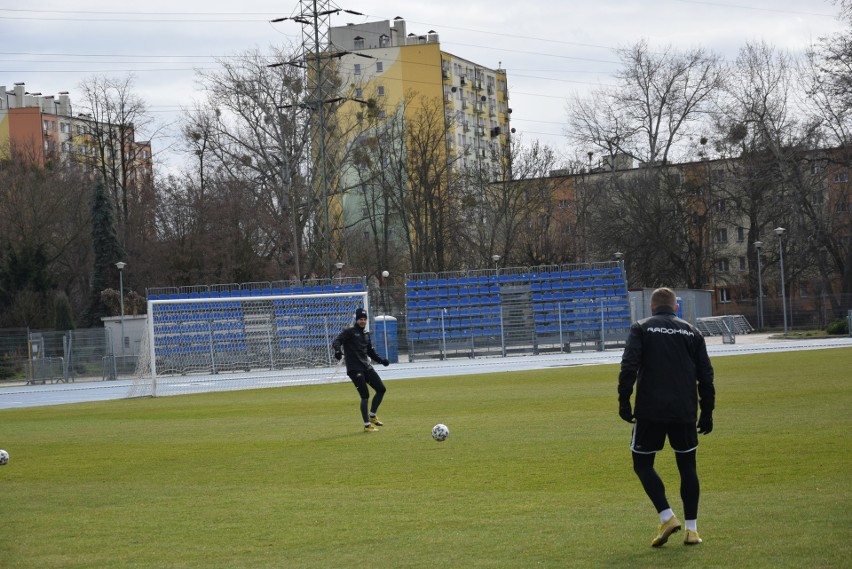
pixel 440 432
pixel 4 457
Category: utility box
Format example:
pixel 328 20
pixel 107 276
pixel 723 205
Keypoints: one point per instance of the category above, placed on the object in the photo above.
pixel 386 338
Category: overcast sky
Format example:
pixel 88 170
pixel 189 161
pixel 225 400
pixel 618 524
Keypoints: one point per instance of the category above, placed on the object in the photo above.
pixel 550 49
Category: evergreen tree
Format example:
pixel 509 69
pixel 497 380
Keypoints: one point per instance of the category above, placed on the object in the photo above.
pixel 107 252
pixel 63 311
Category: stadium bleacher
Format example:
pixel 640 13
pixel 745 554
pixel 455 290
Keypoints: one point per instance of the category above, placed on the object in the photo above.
pixel 545 307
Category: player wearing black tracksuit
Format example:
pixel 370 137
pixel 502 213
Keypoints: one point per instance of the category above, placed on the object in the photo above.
pixel 666 357
pixel 355 343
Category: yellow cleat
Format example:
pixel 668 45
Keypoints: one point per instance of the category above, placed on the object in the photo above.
pixel 376 421
pixel 370 429
pixel 671 526
pixel 691 538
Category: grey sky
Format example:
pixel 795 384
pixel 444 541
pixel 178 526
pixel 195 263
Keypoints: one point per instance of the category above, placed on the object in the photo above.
pixel 549 49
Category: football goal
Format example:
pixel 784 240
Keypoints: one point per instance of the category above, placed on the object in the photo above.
pixel 230 341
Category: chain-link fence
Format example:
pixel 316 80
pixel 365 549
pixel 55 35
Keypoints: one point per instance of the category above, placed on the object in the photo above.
pixel 815 312
pixel 36 356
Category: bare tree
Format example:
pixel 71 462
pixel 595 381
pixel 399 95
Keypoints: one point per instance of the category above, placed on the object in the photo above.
pixel 248 131
pixel 509 212
pixel 658 101
pixel 48 211
pixel 782 174
pixel 117 114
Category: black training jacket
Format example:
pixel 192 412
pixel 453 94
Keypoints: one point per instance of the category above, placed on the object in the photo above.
pixel 357 348
pixel 667 359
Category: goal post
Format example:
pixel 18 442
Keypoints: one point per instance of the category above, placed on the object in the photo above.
pixel 230 341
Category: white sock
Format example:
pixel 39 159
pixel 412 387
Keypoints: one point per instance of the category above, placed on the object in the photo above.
pixel 372 414
pixel 666 515
pixel 692 525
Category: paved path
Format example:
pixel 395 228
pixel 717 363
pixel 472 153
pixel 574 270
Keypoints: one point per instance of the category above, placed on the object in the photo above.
pixel 57 394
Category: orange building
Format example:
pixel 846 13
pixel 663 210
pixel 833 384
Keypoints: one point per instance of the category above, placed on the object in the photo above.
pixel 42 127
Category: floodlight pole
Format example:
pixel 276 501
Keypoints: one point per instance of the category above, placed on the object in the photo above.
pixel 779 231
pixel 496 259
pixel 385 275
pixel 619 258
pixel 757 246
pixel 120 266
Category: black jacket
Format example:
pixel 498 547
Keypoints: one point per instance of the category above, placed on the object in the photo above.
pixel 667 358
pixel 357 348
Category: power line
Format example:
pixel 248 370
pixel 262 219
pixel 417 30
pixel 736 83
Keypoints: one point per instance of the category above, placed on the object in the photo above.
pixel 756 8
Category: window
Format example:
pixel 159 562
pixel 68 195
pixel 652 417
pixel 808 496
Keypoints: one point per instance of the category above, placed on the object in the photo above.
pixel 359 42
pixel 365 212
pixel 381 90
pixel 384 41
pixel 740 234
pixel 381 114
pixel 380 66
pixel 723 265
pixel 359 93
pixel 724 295
pixel 841 177
pixel 719 206
pixel 357 69
pixel 743 265
pixel 721 235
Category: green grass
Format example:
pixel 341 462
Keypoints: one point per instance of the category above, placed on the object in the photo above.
pixel 536 473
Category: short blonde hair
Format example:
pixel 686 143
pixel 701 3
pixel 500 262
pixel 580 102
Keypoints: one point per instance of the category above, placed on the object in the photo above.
pixel 664 297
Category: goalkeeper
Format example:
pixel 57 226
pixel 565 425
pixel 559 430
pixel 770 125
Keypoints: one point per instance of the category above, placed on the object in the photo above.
pixel 355 343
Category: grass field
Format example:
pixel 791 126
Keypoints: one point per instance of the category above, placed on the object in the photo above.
pixel 536 473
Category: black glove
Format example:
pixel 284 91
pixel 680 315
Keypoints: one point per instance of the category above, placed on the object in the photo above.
pixel 705 422
pixel 625 411
pixel 338 355
pixel 385 362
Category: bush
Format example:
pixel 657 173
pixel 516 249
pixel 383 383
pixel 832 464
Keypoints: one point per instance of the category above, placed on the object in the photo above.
pixel 838 327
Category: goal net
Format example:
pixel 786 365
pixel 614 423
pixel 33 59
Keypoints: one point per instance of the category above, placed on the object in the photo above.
pixel 223 342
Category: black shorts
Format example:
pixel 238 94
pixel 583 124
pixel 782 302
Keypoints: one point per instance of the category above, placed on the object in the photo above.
pixel 362 379
pixel 650 436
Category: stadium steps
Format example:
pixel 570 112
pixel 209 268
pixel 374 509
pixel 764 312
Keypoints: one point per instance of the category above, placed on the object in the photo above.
pixel 518 321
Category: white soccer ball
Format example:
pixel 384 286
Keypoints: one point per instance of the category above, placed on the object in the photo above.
pixel 440 432
pixel 4 457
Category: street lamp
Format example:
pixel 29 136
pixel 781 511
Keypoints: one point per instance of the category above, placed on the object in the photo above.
pixel 386 321
pixel 120 266
pixel 618 257
pixel 339 266
pixel 496 259
pixel 385 275
pixel 779 231
pixel 757 246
